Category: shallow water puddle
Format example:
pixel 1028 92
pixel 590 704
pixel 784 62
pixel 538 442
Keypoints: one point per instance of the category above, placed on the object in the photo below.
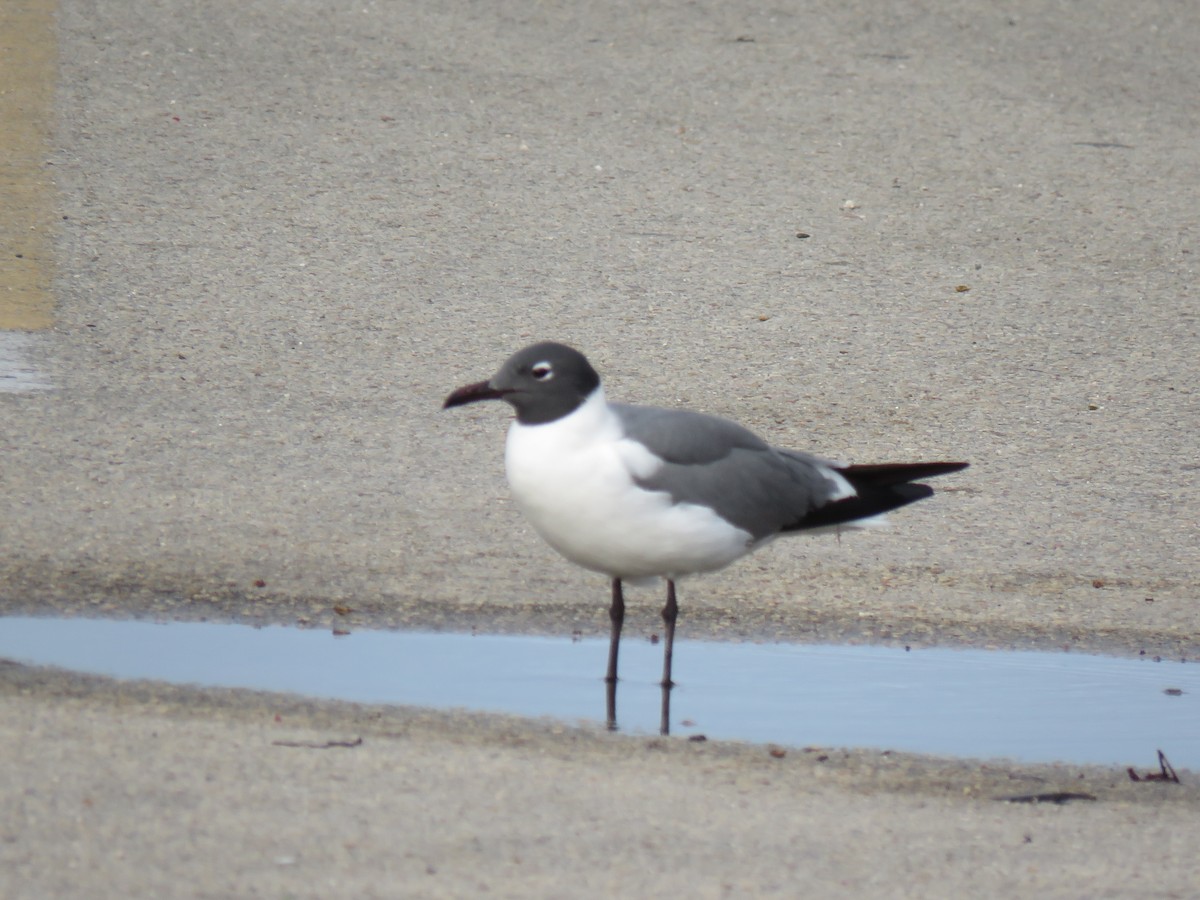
pixel 970 703
pixel 17 373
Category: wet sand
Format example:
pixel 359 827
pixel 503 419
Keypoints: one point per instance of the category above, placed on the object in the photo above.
pixel 285 234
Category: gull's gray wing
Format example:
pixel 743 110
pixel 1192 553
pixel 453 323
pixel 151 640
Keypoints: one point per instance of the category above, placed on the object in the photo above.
pixel 719 464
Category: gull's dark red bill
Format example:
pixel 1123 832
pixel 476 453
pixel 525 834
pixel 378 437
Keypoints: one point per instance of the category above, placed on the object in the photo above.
pixel 472 393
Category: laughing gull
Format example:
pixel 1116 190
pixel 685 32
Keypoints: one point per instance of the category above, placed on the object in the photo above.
pixel 636 492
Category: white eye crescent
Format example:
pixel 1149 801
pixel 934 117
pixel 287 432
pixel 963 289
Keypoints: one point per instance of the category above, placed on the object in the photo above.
pixel 542 371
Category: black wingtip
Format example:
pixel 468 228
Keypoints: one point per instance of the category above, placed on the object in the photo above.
pixel 889 474
pixel 872 501
pixel 880 488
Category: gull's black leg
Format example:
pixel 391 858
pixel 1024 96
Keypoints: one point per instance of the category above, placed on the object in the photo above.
pixel 616 614
pixel 669 614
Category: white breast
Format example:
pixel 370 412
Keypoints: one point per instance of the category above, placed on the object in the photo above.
pixel 574 480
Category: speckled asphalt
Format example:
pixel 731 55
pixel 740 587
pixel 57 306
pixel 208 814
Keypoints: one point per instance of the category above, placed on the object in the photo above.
pixel 874 231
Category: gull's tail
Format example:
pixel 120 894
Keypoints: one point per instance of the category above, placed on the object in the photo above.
pixel 876 489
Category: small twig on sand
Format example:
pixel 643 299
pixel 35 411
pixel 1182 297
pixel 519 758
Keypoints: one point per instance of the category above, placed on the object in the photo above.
pixel 1166 772
pixel 1059 797
pixel 318 745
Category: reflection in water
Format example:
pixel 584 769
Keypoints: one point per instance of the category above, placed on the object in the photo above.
pixel 974 703
pixel 610 706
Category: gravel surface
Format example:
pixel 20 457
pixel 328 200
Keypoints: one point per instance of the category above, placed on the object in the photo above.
pixel 875 231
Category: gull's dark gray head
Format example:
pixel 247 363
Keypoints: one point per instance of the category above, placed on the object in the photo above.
pixel 543 382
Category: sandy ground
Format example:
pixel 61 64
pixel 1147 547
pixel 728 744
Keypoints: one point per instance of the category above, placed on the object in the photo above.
pixel 876 231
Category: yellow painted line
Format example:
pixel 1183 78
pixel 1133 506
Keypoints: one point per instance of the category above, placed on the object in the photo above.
pixel 28 67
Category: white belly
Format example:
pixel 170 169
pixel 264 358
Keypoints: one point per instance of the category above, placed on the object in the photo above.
pixel 574 480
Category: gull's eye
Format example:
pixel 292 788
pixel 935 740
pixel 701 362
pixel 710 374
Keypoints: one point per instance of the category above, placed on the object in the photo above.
pixel 542 371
